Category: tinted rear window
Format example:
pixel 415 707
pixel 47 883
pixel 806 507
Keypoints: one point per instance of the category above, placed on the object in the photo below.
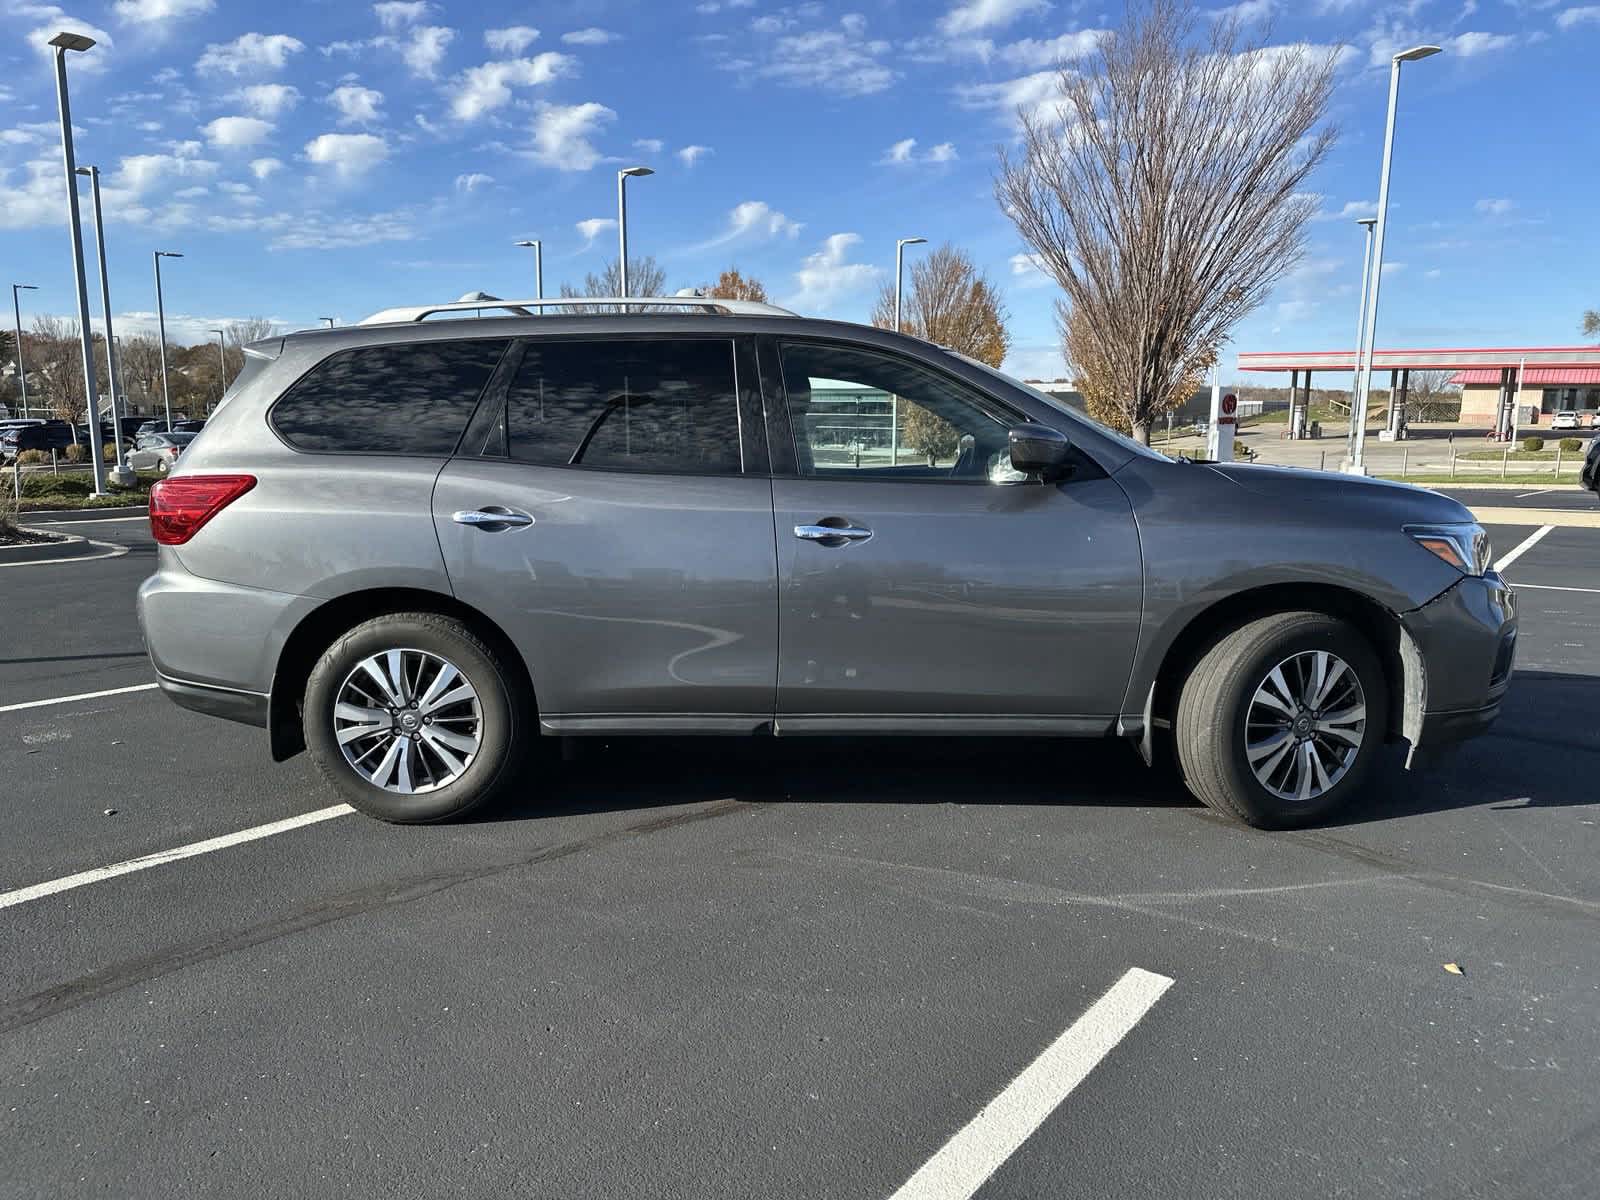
pixel 626 405
pixel 412 399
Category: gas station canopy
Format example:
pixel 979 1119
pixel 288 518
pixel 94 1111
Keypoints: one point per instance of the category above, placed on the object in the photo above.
pixel 1505 357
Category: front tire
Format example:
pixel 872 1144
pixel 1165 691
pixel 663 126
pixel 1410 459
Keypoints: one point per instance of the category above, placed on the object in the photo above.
pixel 412 718
pixel 1279 722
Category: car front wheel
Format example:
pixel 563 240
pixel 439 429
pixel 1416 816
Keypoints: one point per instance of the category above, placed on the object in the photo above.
pixel 1279 722
pixel 413 718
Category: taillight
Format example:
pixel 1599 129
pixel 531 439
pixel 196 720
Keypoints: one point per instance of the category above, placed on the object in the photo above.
pixel 179 507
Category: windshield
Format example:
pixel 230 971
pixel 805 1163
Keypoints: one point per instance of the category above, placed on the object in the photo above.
pixel 1121 439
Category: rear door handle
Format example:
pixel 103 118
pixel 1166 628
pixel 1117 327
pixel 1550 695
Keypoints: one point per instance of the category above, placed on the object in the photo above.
pixel 491 518
pixel 832 533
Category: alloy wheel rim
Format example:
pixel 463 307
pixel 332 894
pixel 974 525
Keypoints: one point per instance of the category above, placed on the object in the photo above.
pixel 1305 726
pixel 408 721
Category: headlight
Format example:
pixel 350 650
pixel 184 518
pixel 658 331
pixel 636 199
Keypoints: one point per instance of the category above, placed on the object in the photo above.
pixel 1464 546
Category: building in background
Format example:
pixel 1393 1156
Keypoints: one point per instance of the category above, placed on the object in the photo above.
pixel 1544 391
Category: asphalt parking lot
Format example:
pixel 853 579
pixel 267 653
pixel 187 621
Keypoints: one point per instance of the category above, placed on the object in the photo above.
pixel 798 968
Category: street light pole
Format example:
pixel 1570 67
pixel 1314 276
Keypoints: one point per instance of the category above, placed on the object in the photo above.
pixel 161 328
pixel 91 391
pixel 329 320
pixel 16 311
pixel 1361 327
pixel 538 266
pixel 622 224
pixel 894 399
pixel 121 476
pixel 222 364
pixel 1358 464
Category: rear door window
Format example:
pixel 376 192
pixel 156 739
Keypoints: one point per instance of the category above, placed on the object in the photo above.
pixel 401 399
pixel 668 405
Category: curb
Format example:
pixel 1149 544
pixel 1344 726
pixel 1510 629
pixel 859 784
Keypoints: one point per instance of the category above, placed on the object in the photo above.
pixel 82 514
pixel 66 548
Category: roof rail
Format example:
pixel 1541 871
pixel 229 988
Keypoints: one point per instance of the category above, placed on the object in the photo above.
pixel 520 308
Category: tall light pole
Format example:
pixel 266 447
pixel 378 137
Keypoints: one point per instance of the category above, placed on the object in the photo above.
pixel 16 311
pixel 1358 464
pixel 222 363
pixel 622 223
pixel 894 400
pixel 91 391
pixel 161 328
pixel 121 476
pixel 538 267
pixel 1361 327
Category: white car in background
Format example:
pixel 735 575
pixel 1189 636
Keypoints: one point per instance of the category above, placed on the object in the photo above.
pixel 1565 419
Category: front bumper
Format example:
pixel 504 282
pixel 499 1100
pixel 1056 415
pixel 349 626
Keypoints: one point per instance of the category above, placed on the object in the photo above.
pixel 1460 651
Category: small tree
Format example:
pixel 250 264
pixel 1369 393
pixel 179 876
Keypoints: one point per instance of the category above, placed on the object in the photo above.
pixel 1591 323
pixel 645 278
pixel 1165 193
pixel 927 433
pixel 950 303
pixel 731 285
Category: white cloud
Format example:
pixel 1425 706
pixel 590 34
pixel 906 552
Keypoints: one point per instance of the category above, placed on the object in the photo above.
pixel 138 173
pixel 1245 10
pixel 1495 206
pixel 975 15
pixel 1434 273
pixel 842 61
pixel 753 220
pixel 267 99
pixel 649 145
pixel 590 37
pixel 1571 18
pixel 1466 45
pixel 357 105
pixel 426 49
pixel 512 40
pixel 827 278
pixel 234 132
pixel 397 14
pixel 484 88
pixel 943 152
pixel 1393 268
pixel 903 153
pixel 473 181
pixel 263 168
pixel 247 53
pixel 1028 271
pixel 690 155
pixel 349 154
pixel 1035 94
pixel 1353 210
pixel 141 12
pixel 593 228
pixel 1069 47
pixel 561 134
pixel 191 193
pixel 900 152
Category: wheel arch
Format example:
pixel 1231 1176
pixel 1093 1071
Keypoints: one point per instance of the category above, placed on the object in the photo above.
pixel 1382 629
pixel 321 627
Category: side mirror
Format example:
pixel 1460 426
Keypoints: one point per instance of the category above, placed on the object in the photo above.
pixel 1039 450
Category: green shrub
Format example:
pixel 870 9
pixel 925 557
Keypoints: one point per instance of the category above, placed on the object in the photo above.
pixel 1533 444
pixel 33 458
pixel 1572 445
pixel 37 485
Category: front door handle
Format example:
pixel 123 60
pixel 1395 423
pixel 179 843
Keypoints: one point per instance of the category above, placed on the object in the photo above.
pixel 836 535
pixel 491 518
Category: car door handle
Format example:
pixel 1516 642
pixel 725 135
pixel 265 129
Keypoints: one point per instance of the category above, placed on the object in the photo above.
pixel 830 533
pixel 491 519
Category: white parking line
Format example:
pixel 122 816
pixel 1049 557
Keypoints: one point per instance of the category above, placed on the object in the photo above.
pixel 964 1162
pixel 138 687
pixel 1540 492
pixel 1551 587
pixel 83 878
pixel 1527 543
pixel 88 520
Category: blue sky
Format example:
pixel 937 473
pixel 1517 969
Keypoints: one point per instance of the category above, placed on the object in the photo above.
pixel 315 157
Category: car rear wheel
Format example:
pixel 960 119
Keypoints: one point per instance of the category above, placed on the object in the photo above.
pixel 1279 722
pixel 413 718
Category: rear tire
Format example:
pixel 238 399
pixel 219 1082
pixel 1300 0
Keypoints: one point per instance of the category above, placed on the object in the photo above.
pixel 1258 738
pixel 412 718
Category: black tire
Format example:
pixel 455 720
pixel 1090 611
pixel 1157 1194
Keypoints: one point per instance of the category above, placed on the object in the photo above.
pixel 507 719
pixel 1213 706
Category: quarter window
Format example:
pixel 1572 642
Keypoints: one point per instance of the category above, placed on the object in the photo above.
pixel 862 415
pixel 402 399
pixel 626 405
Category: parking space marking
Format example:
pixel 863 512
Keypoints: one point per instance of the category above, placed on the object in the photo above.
pixel 968 1159
pixel 138 687
pixel 82 520
pixel 83 878
pixel 1551 587
pixel 1527 543
pixel 1540 492
pixel 107 550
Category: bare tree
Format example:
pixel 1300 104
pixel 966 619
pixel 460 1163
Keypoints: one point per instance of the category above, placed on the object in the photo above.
pixel 55 367
pixel 645 278
pixel 1591 323
pixel 950 303
pixel 731 285
pixel 1164 193
pixel 140 359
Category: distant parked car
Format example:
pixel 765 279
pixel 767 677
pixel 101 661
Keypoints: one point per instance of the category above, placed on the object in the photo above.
pixel 158 451
pixel 191 426
pixel 46 435
pixel 1590 477
pixel 180 425
pixel 1565 419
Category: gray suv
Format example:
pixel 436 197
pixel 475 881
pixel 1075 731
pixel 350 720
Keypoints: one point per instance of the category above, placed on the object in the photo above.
pixel 425 549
